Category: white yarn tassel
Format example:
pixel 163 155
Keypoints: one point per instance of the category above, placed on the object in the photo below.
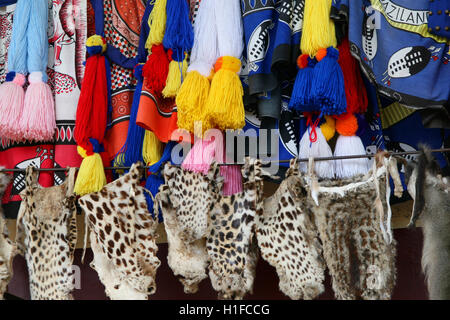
pixel 205 50
pixel 348 168
pixel 229 27
pixel 317 149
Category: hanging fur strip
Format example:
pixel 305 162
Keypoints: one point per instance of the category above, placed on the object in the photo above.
pixel 122 237
pixel 231 245
pixel 47 236
pixel 186 200
pixel 357 246
pixel 7 247
pixel 431 194
pixel 288 239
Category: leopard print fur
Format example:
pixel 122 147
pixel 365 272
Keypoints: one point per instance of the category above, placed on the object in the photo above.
pixel 7 247
pixel 46 236
pixel 192 195
pixel 187 259
pixel 231 246
pixel 122 237
pixel 347 214
pixel 288 239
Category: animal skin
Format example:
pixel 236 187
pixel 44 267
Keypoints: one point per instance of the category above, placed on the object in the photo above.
pixel 431 194
pixel 7 248
pixel 122 237
pixel 47 235
pixel 185 200
pixel 231 246
pixel 288 239
pixel 350 216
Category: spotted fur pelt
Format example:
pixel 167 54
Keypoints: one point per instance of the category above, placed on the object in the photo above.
pixel 7 247
pixel 185 200
pixel 231 246
pixel 122 235
pixel 288 239
pixel 47 235
pixel 431 194
pixel 350 217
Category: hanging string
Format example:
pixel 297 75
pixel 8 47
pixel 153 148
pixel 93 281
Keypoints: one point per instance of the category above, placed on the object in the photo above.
pixel 394 154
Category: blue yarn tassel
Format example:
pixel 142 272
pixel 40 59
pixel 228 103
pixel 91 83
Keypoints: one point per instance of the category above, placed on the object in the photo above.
pixel 328 88
pixel 156 179
pixel 179 33
pixel 132 149
pixel 301 98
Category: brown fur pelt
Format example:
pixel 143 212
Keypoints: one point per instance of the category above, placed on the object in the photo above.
pixel 46 236
pixel 122 236
pixel 231 243
pixel 431 194
pixel 7 247
pixel 350 216
pixel 186 199
pixel 288 239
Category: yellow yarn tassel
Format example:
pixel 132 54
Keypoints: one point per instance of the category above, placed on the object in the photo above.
pixel 91 176
pixel 328 128
pixel 157 24
pixel 152 148
pixel 191 100
pixel 318 29
pixel 174 78
pixel 225 107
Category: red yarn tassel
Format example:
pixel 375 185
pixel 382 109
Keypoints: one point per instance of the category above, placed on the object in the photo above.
pixel 355 91
pixel 92 107
pixel 156 68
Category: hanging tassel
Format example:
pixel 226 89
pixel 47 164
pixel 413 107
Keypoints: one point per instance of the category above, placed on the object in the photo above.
pixel 349 144
pixel 156 68
pixel 355 91
pixel 91 119
pixel 152 148
pixel 318 29
pixel 200 157
pixel 179 36
pixel 157 24
pixel 177 72
pixel 11 105
pixel 155 178
pixel 194 91
pixel 225 107
pixel 11 92
pixel 38 117
pixel 91 176
pixel 328 84
pixel 301 99
pixel 314 145
pixel 328 128
pixel 131 152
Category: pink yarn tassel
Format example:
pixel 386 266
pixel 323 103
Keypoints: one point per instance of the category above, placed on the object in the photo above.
pixel 232 179
pixel 38 118
pixel 200 158
pixel 11 107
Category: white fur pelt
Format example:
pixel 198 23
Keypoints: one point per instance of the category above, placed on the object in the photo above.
pixel 7 247
pixel 431 194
